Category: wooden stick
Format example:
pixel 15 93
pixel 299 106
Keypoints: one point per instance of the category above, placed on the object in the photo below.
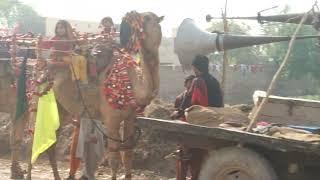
pixel 13 50
pixel 225 54
pixel 39 53
pixel 277 74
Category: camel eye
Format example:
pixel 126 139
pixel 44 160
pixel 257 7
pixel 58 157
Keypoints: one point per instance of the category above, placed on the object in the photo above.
pixel 147 18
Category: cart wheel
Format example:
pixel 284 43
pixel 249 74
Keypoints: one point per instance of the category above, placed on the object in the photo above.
pixel 236 164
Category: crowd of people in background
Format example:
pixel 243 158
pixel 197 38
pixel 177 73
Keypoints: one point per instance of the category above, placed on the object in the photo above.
pixel 243 68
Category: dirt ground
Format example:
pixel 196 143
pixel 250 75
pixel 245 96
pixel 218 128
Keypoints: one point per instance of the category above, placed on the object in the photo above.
pixel 149 154
pixel 42 171
pixel 149 162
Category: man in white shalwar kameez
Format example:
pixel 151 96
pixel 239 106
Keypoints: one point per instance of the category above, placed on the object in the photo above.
pixel 90 147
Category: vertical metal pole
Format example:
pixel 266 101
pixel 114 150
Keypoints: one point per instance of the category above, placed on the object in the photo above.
pixel 225 54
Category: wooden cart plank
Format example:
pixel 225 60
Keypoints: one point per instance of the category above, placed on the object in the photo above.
pixel 290 111
pixel 214 134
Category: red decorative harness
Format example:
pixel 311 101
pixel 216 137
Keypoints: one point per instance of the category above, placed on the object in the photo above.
pixel 38 81
pixel 135 21
pixel 118 87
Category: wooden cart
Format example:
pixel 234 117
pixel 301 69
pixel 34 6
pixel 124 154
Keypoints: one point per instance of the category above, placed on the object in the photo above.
pixel 261 157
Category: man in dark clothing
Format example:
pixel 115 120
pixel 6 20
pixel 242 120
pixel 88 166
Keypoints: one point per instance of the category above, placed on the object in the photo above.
pixel 205 91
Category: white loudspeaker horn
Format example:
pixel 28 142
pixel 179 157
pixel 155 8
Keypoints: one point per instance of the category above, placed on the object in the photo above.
pixel 191 41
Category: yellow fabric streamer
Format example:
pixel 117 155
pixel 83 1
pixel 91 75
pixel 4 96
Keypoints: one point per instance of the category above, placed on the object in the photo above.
pixel 78 67
pixel 137 57
pixel 47 122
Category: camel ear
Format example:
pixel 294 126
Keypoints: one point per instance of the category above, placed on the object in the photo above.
pixel 160 19
pixel 125 33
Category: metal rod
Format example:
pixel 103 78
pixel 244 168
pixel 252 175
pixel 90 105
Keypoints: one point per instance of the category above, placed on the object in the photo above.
pixel 225 54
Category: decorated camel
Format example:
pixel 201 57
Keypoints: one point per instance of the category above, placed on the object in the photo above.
pixel 123 89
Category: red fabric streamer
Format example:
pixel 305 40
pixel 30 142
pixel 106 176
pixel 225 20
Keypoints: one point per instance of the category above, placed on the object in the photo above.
pixel 135 21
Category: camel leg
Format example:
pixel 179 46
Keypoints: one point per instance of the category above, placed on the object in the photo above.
pixel 51 151
pixel 53 161
pixel 32 118
pixel 29 172
pixel 16 138
pixel 29 154
pixel 113 127
pixel 29 166
pixel 74 161
pixel 127 157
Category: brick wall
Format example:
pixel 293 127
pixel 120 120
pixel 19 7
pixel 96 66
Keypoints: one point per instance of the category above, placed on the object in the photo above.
pixel 240 87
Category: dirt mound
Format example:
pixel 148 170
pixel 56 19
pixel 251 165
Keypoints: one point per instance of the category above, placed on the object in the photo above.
pixel 213 117
pixel 159 109
pixel 152 147
pixel 244 108
pixel 151 151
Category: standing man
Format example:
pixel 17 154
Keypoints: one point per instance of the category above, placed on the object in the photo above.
pixel 205 91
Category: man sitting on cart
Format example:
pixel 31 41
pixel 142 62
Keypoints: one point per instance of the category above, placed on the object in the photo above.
pixel 204 91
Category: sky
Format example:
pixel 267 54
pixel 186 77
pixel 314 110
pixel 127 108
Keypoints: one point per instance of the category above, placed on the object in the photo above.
pixel 173 10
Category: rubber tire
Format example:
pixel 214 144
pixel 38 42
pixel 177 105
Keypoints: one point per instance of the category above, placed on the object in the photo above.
pixel 259 167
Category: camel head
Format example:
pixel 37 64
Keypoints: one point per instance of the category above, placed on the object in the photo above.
pixel 152 30
pixel 141 30
pixel 137 31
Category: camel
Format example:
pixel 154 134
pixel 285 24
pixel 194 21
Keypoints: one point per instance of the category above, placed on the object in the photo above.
pixel 145 85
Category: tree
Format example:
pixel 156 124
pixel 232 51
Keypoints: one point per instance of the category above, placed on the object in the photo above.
pixel 304 60
pixel 7 12
pixel 248 55
pixel 13 12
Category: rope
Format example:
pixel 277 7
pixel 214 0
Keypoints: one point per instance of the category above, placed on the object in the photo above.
pixel 137 129
pixel 80 38
pixel 44 49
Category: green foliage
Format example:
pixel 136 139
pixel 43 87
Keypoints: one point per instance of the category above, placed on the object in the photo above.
pixel 248 55
pixel 14 12
pixel 304 59
pixel 7 12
